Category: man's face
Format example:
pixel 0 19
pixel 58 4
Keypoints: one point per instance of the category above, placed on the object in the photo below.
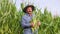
pixel 29 10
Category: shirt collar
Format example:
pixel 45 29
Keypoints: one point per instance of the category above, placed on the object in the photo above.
pixel 28 14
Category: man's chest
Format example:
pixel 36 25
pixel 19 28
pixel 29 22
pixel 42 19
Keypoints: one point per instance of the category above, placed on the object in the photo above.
pixel 28 19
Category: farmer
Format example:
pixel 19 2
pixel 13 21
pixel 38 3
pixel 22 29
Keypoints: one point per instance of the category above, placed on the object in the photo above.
pixel 26 20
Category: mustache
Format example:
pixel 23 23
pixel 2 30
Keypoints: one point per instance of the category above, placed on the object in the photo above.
pixel 30 11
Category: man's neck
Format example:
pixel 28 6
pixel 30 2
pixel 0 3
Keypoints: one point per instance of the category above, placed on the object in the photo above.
pixel 30 14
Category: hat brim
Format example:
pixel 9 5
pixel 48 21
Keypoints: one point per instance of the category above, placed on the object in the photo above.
pixel 33 8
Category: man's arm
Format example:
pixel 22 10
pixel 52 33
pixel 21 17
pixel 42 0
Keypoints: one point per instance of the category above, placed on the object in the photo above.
pixel 24 24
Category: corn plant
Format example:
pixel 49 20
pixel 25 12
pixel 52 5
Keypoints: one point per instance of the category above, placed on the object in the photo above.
pixel 10 20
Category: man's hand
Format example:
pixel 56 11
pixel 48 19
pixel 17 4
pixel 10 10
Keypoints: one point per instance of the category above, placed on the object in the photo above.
pixel 38 23
pixel 32 24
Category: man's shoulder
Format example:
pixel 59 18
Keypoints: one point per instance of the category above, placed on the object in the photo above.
pixel 34 15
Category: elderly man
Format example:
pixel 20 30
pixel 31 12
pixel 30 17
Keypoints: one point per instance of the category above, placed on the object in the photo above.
pixel 27 18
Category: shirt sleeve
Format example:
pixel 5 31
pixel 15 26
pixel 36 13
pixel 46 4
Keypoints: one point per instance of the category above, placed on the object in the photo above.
pixel 24 24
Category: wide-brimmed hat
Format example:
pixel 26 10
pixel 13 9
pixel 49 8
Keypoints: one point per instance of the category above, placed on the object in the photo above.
pixel 33 8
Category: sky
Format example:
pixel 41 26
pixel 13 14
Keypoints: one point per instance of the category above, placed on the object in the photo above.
pixel 52 5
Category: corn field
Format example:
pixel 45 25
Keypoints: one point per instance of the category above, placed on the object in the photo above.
pixel 10 20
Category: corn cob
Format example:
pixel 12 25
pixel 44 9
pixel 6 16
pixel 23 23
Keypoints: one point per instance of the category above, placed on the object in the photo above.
pixel 34 20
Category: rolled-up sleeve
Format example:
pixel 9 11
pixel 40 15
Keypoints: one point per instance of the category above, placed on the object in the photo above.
pixel 24 24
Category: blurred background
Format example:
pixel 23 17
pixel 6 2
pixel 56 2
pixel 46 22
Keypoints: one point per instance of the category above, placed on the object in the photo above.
pixel 11 13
